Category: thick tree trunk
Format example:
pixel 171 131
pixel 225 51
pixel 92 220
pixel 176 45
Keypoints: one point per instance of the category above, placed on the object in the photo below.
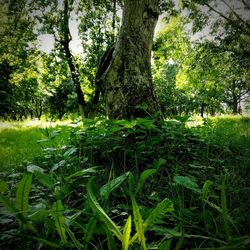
pixel 127 83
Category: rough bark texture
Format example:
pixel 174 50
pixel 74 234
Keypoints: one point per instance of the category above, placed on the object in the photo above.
pixel 127 83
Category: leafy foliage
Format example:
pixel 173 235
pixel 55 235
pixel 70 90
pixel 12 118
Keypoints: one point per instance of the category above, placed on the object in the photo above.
pixel 75 202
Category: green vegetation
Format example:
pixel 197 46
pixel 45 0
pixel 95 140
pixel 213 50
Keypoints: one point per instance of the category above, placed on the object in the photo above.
pixel 19 141
pixel 154 158
pixel 100 189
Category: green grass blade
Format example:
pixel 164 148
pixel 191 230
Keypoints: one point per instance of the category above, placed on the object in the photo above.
pixel 144 175
pixel 73 238
pixel 126 234
pixel 81 173
pixel 110 238
pixel 101 213
pixel 224 208
pixel 161 209
pixel 206 189
pixel 112 185
pixel 57 213
pixel 22 194
pixel 90 228
pixel 138 223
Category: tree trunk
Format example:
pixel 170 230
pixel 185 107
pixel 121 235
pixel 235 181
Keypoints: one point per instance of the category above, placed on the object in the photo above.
pixel 127 83
pixel 235 104
pixel 73 68
pixel 202 109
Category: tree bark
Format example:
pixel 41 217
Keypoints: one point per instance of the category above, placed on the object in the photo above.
pixel 127 83
pixel 83 108
pixel 235 104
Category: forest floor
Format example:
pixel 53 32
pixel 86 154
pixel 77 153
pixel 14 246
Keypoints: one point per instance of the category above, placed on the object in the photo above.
pixel 19 141
pixel 94 184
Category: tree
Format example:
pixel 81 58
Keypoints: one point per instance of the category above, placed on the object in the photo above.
pixel 171 47
pixel 54 17
pixel 127 83
pixel 17 60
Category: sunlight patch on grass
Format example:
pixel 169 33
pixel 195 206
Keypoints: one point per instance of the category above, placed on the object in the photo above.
pixel 18 141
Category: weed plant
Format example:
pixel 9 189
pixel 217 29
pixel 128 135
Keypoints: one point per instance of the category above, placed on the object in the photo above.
pixel 132 185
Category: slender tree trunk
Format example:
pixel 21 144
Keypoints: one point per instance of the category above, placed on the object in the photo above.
pixel 235 104
pixel 202 109
pixel 73 68
pixel 235 98
pixel 127 83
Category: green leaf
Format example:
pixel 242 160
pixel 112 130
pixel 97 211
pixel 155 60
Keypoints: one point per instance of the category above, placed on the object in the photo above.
pixel 81 173
pixel 112 185
pixel 58 165
pixel 8 205
pixel 126 234
pixel 44 131
pixel 73 238
pixel 90 228
pixel 186 182
pixel 32 168
pixel 145 174
pixel 158 163
pixel 165 245
pixel 157 214
pixel 206 189
pixel 110 238
pixel 57 211
pixel 22 194
pixel 3 186
pixel 145 123
pixel 70 152
pixel 39 216
pixel 44 179
pixel 138 223
pixel 101 213
pixel 131 181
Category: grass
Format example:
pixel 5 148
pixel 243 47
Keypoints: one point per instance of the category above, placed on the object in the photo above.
pixel 19 141
pixel 96 186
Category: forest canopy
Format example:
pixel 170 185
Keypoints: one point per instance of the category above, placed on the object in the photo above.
pixel 199 62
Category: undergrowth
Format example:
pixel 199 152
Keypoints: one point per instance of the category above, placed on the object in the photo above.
pixel 132 185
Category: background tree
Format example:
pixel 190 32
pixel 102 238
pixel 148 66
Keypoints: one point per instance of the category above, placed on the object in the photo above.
pixel 17 60
pixel 96 31
pixel 171 47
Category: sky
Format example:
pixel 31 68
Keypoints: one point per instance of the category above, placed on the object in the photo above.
pixel 46 41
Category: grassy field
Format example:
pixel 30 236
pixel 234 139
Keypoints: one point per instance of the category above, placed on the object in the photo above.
pixel 19 141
